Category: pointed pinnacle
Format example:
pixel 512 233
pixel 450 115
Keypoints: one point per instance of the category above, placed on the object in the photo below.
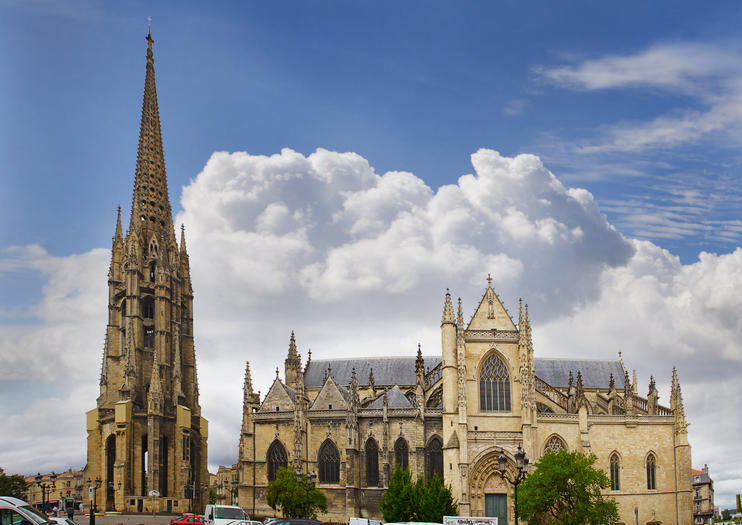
pixel 460 316
pixel 183 248
pixel 520 310
pixel 448 309
pixel 248 379
pixel 118 236
pixel 292 346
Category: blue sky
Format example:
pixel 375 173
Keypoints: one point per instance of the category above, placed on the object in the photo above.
pixel 415 87
pixel 633 107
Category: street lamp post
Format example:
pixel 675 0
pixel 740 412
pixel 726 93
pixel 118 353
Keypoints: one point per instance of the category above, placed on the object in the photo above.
pixel 310 476
pixel 93 508
pixel 521 462
pixel 46 488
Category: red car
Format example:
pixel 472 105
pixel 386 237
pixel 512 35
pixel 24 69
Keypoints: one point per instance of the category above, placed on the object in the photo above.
pixel 188 519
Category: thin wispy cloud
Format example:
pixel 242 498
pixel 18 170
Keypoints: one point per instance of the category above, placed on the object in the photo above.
pixel 710 75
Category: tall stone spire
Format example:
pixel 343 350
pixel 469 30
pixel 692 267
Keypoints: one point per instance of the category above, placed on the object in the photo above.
pixel 150 207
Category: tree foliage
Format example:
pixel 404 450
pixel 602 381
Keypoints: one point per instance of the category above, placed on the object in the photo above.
pixel 565 489
pixel 289 495
pixel 397 503
pixel 13 485
pixel 419 501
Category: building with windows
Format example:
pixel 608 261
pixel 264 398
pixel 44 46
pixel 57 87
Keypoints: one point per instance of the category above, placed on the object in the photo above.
pixel 703 497
pixel 146 432
pixel 58 489
pixel 351 421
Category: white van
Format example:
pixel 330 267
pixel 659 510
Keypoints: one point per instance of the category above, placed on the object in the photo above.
pixel 223 514
pixel 17 511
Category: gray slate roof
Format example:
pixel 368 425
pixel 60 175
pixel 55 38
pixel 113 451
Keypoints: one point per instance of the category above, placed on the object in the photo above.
pixel 595 373
pixel 401 371
pixel 395 399
pixel 387 370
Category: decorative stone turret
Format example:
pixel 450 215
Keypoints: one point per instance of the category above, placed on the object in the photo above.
pixel 652 397
pixel 292 364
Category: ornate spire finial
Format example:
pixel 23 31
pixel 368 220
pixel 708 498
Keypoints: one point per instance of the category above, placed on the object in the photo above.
pixel 119 234
pixel 460 316
pixel 371 380
pixel 612 382
pixel 652 385
pixel 248 380
pixel 489 281
pixel 580 387
pixel 292 347
pixel 633 383
pixel 419 362
pixel 448 309
pixel 183 248
pixel 276 372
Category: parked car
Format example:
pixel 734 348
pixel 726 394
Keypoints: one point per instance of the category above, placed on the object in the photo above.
pixel 22 513
pixel 188 519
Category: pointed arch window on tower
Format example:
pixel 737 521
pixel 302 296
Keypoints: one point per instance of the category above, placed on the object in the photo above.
pixel 615 474
pixel 329 463
pixel 152 272
pixel 494 385
pixel 372 463
pixel 401 453
pixel 651 470
pixel 277 458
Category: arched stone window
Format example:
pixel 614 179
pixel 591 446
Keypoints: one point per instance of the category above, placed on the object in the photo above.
pixel 148 307
pixel 651 470
pixel 152 272
pixel 615 475
pixel 372 463
pixel 434 458
pixel 401 453
pixel 276 459
pixel 554 444
pixel 328 461
pixel 494 385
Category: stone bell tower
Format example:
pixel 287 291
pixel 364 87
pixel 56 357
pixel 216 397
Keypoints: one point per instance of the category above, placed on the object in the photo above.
pixel 146 432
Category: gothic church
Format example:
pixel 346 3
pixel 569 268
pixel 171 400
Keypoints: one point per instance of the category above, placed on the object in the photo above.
pixel 146 432
pixel 351 421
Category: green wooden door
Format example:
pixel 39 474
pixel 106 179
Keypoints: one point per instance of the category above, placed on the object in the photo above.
pixel 496 505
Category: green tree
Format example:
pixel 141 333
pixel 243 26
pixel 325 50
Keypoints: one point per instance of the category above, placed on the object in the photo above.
pixel 433 500
pixel 289 495
pixel 212 496
pixel 565 489
pixel 397 502
pixel 419 501
pixel 14 485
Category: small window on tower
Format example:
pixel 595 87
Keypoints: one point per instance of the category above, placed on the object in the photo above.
pixel 152 272
pixel 148 307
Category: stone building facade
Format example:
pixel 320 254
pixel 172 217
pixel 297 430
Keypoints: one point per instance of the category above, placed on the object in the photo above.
pixel 58 488
pixel 351 421
pixel 146 432
pixel 703 497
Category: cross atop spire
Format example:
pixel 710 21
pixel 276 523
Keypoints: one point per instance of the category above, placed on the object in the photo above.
pixel 150 206
pixel 489 281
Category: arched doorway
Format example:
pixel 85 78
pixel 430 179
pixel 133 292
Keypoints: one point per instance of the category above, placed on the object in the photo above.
pixel 489 494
